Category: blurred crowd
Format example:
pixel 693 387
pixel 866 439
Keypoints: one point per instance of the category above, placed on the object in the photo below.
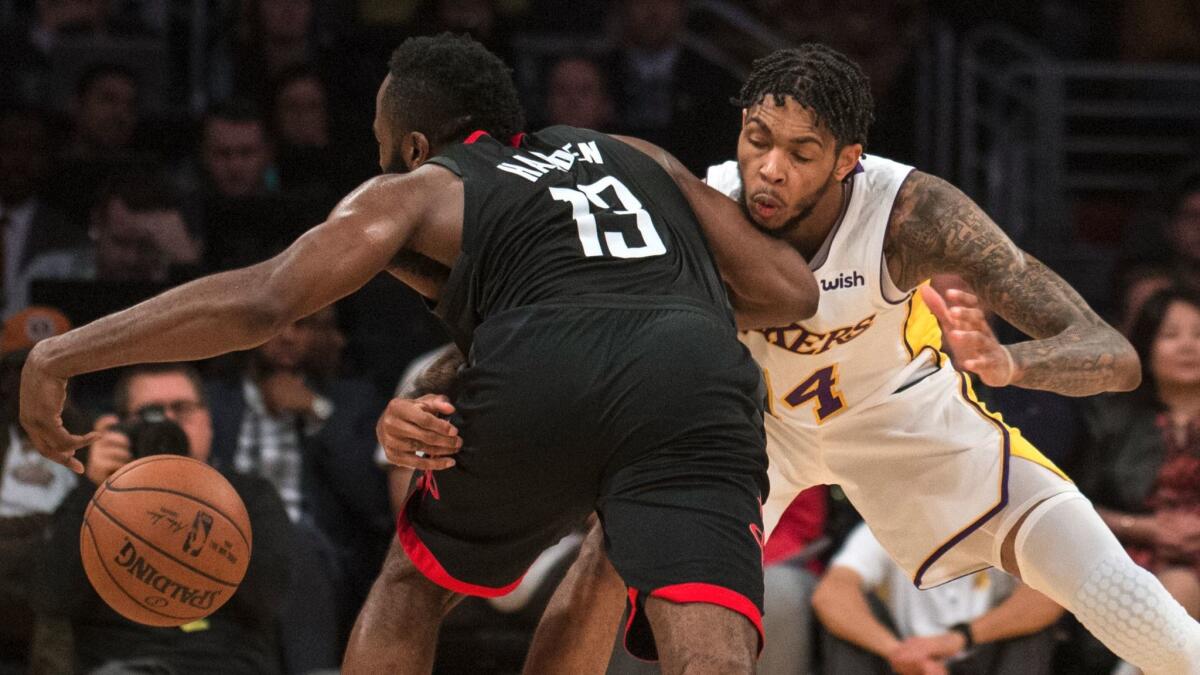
pixel 144 143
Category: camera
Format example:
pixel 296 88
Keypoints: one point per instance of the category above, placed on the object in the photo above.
pixel 151 432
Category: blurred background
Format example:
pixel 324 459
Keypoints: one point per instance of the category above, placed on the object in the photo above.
pixel 147 142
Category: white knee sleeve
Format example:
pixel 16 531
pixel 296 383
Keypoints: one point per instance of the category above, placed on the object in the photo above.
pixel 1067 552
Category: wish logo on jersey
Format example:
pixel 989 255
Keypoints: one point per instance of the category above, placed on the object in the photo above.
pixel 798 339
pixel 844 280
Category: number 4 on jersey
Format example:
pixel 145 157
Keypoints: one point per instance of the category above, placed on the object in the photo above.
pixel 821 386
pixel 586 196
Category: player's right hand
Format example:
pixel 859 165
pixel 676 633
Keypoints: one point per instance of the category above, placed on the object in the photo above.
pixel 414 436
pixel 43 395
pixel 110 452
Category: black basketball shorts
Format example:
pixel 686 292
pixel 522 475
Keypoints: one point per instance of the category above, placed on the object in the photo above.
pixel 649 415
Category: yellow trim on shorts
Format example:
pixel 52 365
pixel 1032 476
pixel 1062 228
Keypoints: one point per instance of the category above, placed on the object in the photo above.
pixel 1018 445
pixel 921 329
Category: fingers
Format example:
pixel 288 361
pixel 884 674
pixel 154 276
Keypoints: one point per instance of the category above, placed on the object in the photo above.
pixel 106 422
pixel 405 455
pixel 436 403
pixel 423 413
pixel 961 298
pixel 400 432
pixel 936 304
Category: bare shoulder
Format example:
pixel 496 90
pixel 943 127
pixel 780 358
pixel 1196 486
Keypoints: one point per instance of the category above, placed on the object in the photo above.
pixel 429 193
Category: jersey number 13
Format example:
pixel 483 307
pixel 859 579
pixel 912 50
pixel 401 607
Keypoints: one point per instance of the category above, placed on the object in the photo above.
pixel 587 196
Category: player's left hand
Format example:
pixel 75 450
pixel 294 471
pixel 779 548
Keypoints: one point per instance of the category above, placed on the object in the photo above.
pixel 968 335
pixel 42 398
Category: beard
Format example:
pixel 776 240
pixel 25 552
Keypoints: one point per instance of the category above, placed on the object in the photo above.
pixel 803 210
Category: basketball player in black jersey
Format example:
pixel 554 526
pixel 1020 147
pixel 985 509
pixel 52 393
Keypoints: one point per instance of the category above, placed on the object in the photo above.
pixel 604 372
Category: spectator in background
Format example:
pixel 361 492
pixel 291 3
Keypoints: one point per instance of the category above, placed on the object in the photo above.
pixel 669 94
pixel 104 113
pixel 28 225
pixel 300 121
pixel 138 233
pixel 236 151
pixel 31 488
pixel 578 95
pixel 274 421
pixel 983 624
pixel 1183 233
pixel 236 186
pixel 240 636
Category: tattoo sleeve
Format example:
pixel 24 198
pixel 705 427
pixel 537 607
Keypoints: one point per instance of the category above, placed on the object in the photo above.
pixel 439 377
pixel 935 229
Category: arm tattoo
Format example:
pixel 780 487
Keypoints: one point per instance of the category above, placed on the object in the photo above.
pixel 439 377
pixel 935 228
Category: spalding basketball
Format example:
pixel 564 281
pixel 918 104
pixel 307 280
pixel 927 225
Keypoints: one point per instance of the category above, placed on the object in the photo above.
pixel 165 540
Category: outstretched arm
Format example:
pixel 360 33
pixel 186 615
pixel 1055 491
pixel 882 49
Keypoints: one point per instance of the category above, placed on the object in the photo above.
pixel 769 282
pixel 233 310
pixel 935 228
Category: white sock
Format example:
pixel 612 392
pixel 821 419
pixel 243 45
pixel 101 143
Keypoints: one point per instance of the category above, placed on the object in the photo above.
pixel 1067 552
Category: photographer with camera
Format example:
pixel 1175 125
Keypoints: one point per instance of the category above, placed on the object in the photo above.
pixel 162 411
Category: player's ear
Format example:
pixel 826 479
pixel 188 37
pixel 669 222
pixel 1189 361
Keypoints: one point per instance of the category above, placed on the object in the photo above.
pixel 415 149
pixel 847 159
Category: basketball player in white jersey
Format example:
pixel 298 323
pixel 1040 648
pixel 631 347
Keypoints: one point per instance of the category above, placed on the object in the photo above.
pixel 863 396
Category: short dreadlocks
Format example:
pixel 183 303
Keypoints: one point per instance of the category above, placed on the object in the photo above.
pixel 821 79
pixel 447 86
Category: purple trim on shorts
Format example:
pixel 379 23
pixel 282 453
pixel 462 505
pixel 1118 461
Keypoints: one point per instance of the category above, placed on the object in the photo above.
pixel 944 548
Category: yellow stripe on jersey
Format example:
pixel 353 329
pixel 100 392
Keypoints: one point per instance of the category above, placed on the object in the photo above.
pixel 770 392
pixel 1018 444
pixel 921 328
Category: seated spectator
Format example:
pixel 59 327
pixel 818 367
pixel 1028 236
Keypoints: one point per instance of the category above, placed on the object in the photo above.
pixel 985 623
pixel 31 487
pixel 1140 463
pixel 104 113
pixel 236 151
pixel 138 234
pixel 790 569
pixel 29 225
pixel 240 636
pixel 271 420
pixel 577 94
pixel 235 186
pixel 300 119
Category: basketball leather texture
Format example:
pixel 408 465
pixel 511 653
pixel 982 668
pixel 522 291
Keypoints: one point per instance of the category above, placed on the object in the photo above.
pixel 165 540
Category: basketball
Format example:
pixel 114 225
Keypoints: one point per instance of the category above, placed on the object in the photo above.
pixel 165 540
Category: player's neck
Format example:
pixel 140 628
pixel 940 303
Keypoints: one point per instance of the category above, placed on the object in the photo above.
pixel 814 230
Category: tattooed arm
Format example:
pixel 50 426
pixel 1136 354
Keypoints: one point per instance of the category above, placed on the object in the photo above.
pixel 935 228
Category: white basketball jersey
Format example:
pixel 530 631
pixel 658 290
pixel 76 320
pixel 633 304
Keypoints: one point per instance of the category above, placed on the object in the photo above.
pixel 867 338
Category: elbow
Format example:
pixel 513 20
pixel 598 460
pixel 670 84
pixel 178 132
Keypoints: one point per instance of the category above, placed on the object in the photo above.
pixel 1127 369
pixel 822 597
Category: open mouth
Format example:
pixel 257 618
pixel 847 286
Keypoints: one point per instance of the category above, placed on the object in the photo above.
pixel 764 206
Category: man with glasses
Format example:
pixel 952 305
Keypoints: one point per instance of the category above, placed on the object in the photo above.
pixel 177 390
pixel 241 635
